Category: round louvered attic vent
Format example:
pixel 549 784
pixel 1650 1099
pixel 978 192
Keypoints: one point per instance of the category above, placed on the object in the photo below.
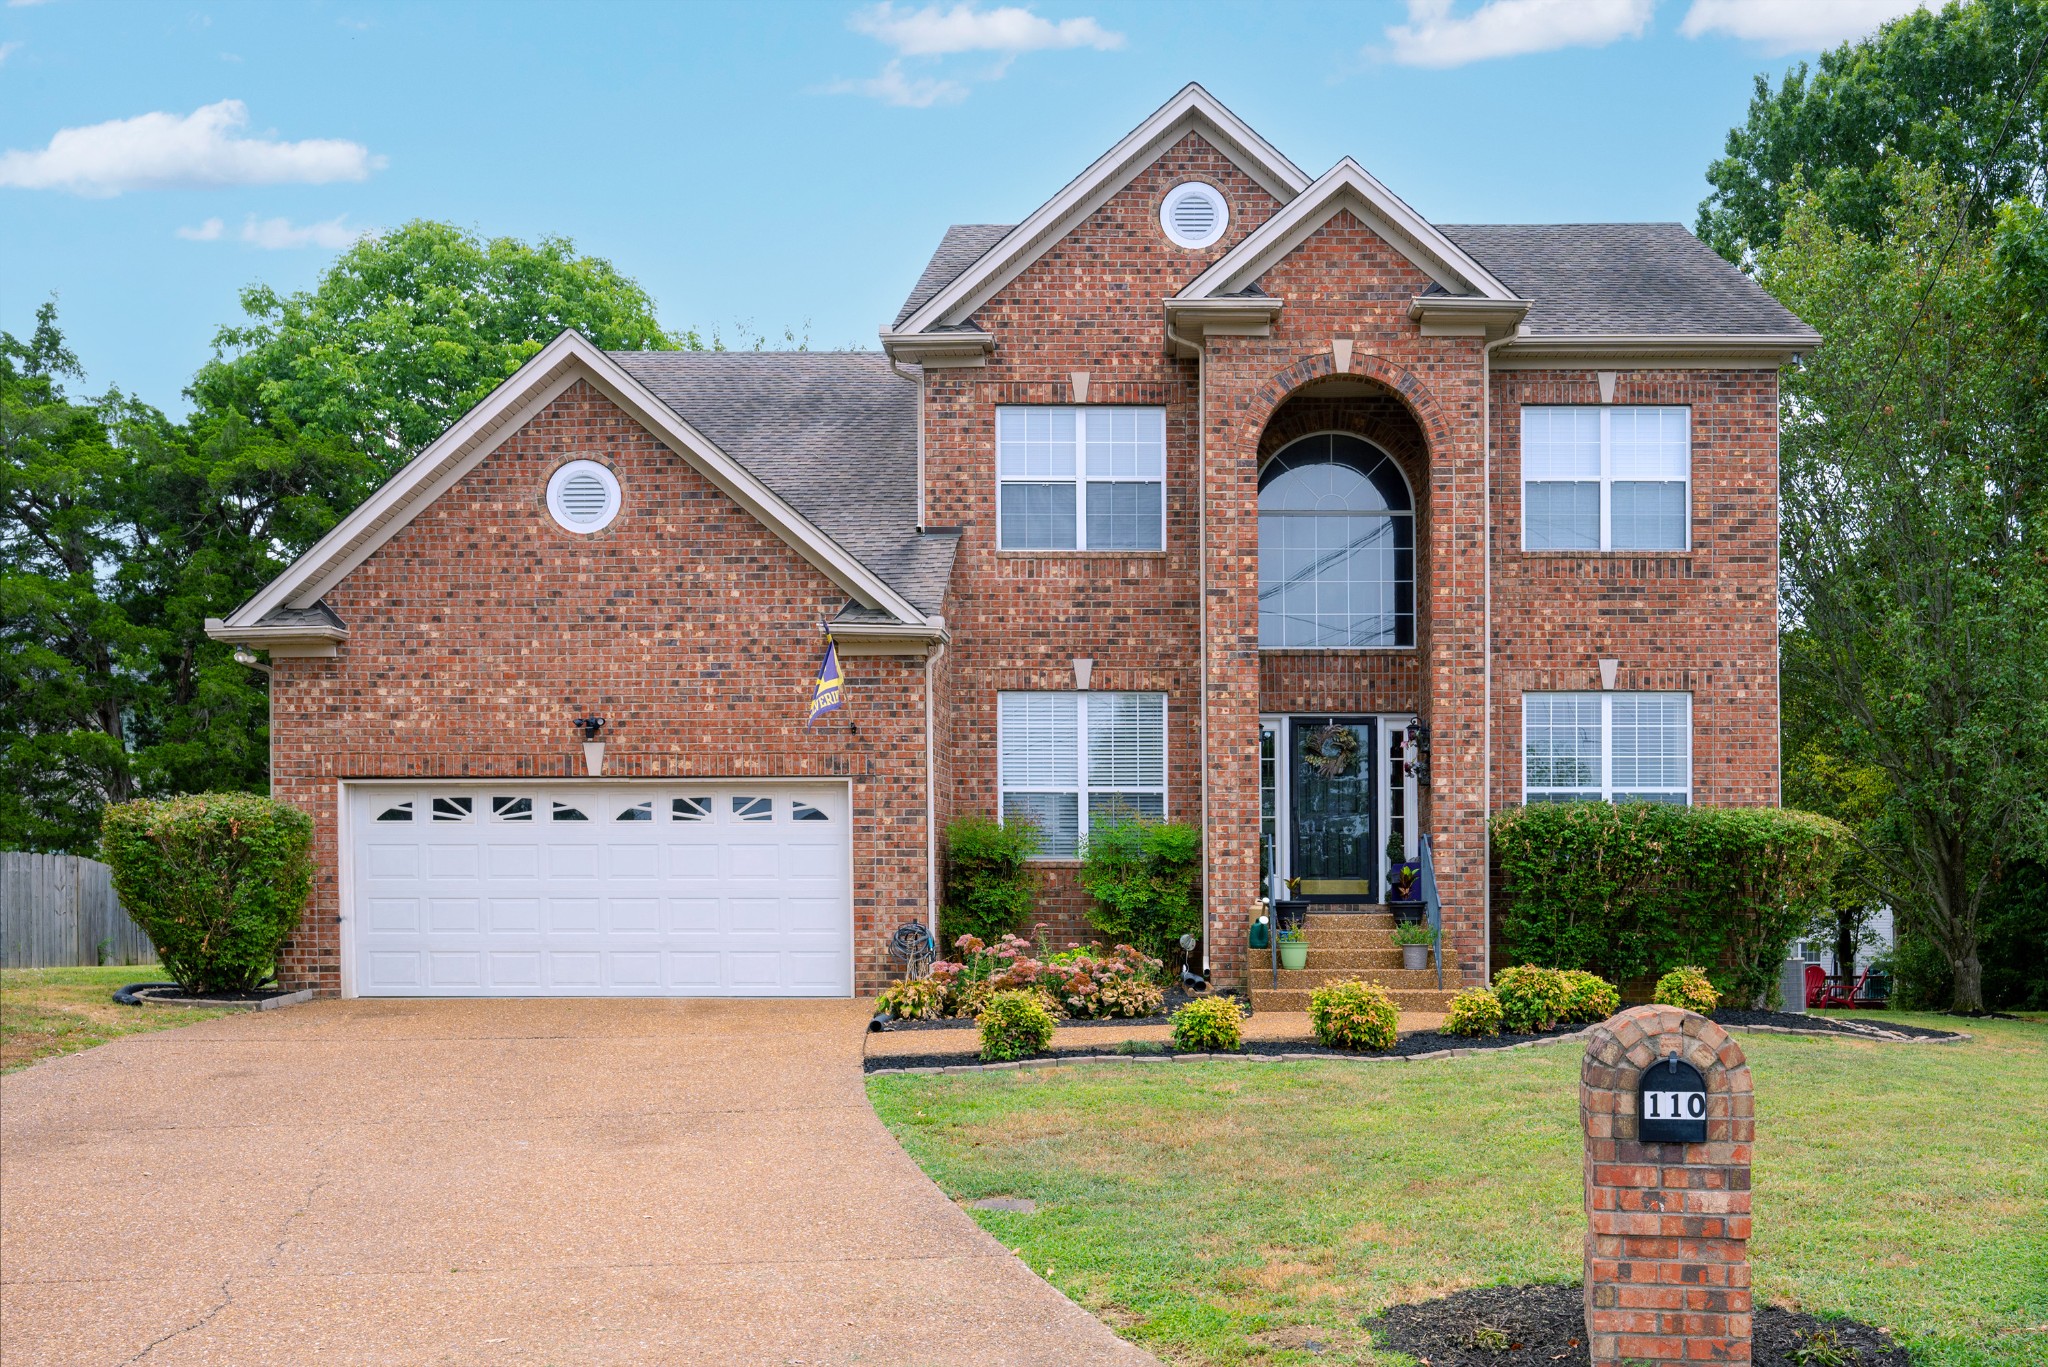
pixel 583 496
pixel 1194 214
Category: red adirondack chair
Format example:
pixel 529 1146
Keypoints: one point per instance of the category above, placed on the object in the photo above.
pixel 1816 985
pixel 1842 993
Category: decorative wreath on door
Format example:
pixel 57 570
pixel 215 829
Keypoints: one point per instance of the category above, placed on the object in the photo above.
pixel 1330 750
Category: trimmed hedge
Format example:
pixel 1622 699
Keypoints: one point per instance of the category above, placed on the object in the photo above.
pixel 1475 1013
pixel 1687 987
pixel 1631 888
pixel 1014 1025
pixel 1353 1015
pixel 1531 998
pixel 1146 879
pixel 1209 1023
pixel 216 880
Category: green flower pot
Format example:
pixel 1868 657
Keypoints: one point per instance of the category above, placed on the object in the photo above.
pixel 1294 954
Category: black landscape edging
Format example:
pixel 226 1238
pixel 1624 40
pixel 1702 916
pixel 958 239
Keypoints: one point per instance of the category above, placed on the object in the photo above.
pixel 1545 1326
pixel 1417 1044
pixel 1798 1024
pixel 170 994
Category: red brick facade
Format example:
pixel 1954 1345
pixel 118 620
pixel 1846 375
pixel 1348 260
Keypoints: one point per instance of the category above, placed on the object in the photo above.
pixel 481 628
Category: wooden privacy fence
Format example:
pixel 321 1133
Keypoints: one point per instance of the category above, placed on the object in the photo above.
pixel 59 911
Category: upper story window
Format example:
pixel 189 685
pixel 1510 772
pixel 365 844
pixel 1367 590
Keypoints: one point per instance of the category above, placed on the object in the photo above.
pixel 1611 478
pixel 1618 747
pixel 1091 479
pixel 1336 547
pixel 1069 760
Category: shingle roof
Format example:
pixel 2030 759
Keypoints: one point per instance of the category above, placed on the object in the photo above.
pixel 1582 279
pixel 961 247
pixel 832 432
pixel 1637 279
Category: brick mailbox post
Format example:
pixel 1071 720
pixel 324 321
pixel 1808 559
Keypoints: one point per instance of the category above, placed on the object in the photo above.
pixel 1667 1241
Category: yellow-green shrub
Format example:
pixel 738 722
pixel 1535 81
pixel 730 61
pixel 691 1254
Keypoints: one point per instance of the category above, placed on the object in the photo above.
pixel 1687 986
pixel 1475 1012
pixel 1588 997
pixel 920 1000
pixel 1014 1024
pixel 1209 1023
pixel 1353 1015
pixel 1531 998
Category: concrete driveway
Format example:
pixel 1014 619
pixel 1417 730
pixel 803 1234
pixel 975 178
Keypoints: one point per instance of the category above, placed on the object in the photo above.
pixel 547 1182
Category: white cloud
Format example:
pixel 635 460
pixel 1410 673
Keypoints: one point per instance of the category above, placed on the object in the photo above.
pixel 1782 26
pixel 8 50
pixel 933 32
pixel 170 151
pixel 1434 37
pixel 208 231
pixel 25 4
pixel 275 234
pixel 906 92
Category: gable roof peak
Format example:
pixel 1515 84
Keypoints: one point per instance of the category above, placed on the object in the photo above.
pixel 1348 185
pixel 1192 109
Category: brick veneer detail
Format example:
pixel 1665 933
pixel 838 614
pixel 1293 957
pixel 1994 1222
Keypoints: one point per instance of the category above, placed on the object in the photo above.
pixel 1667 1241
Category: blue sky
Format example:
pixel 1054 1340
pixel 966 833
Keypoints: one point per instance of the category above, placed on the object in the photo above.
pixel 786 165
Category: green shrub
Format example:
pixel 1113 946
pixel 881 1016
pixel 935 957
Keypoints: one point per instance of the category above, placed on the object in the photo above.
pixel 1014 1024
pixel 1688 987
pixel 1531 998
pixel 1209 1023
pixel 1414 934
pixel 1353 1015
pixel 990 885
pixel 1588 997
pixel 1475 1012
pixel 1618 888
pixel 216 880
pixel 1146 879
pixel 920 999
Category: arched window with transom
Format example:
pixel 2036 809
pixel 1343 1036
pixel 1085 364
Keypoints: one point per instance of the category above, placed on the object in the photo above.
pixel 1336 547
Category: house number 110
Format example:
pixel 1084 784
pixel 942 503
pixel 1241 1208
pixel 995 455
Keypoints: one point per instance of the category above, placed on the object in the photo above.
pixel 1674 1105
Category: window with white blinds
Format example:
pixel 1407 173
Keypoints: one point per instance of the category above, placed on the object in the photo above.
pixel 1616 747
pixel 1081 479
pixel 1612 478
pixel 1071 760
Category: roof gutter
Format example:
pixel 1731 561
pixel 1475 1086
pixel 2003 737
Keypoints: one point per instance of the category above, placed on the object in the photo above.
pixel 1188 321
pixel 1557 349
pixel 949 350
pixel 284 640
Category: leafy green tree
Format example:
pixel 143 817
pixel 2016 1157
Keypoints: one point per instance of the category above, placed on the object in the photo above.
pixel 1915 531
pixel 1948 89
pixel 409 329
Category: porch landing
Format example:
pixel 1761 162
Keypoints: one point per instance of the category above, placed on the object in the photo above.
pixel 1352 943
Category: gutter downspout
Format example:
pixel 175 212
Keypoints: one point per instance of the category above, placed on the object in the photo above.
pixel 918 380
pixel 931 798
pixel 1202 600
pixel 1486 652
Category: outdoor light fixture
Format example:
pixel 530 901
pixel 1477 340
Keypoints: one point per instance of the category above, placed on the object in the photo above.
pixel 1418 736
pixel 593 749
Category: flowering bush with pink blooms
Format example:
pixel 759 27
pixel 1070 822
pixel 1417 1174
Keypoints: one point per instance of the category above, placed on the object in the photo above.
pixel 1079 981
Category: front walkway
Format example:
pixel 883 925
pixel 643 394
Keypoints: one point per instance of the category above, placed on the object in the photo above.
pixel 545 1182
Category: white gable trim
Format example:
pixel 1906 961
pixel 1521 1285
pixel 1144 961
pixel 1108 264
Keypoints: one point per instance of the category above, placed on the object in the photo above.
pixel 570 357
pixel 1192 110
pixel 1347 185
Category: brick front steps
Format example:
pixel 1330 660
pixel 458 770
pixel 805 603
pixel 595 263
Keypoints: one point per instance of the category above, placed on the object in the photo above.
pixel 1353 943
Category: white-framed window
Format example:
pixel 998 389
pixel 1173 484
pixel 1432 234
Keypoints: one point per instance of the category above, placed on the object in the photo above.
pixel 1617 747
pixel 1091 479
pixel 1069 760
pixel 1611 478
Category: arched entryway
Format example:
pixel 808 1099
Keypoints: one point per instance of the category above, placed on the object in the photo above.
pixel 1343 511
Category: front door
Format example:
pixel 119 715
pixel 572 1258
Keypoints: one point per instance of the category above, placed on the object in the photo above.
pixel 1334 852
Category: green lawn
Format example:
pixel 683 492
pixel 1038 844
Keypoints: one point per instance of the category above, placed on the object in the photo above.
pixel 46 1011
pixel 1225 1212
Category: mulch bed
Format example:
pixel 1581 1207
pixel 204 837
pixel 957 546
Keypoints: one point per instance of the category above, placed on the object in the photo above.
pixel 1546 1325
pixel 1407 1046
pixel 170 994
pixel 1175 1000
pixel 1830 1025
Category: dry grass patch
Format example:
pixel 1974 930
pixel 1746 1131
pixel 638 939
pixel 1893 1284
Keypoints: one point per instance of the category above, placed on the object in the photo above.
pixel 49 1011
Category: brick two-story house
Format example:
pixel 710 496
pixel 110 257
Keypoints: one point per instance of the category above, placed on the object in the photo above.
pixel 1209 490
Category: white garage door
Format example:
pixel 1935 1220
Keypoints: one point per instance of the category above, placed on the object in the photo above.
pixel 584 890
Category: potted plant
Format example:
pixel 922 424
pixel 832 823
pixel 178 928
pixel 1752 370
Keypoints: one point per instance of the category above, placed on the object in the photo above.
pixel 1414 941
pixel 1404 896
pixel 1294 946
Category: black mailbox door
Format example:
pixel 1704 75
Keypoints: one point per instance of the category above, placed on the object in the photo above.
pixel 1672 1105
